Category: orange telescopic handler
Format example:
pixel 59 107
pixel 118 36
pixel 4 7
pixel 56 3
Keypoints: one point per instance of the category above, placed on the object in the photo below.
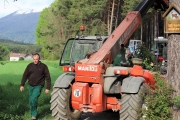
pixel 91 83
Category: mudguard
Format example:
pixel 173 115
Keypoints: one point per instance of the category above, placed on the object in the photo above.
pixel 132 84
pixel 111 83
pixel 64 80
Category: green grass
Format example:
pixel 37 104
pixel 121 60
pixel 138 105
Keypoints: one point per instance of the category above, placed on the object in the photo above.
pixel 13 71
pixel 14 104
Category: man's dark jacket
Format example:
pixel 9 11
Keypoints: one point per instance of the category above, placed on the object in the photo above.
pixel 36 75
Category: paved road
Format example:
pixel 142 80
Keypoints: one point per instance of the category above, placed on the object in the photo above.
pixel 106 115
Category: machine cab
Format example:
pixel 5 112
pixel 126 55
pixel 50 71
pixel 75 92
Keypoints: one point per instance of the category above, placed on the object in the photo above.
pixel 157 48
pixel 79 48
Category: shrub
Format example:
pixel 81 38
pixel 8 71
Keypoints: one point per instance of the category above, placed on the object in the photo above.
pixel 147 57
pixel 2 63
pixel 21 58
pixel 177 101
pixel 158 104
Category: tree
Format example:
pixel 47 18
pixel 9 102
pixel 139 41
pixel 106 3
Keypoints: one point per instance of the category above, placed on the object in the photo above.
pixel 129 5
pixel 4 52
pixel 173 74
pixel 62 21
pixel 63 18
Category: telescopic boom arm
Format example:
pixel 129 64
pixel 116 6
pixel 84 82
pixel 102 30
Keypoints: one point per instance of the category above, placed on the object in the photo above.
pixel 122 33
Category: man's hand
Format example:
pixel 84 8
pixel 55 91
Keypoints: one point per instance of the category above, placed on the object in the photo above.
pixel 47 91
pixel 21 88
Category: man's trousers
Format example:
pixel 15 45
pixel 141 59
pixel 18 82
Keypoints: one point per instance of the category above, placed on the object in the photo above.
pixel 34 93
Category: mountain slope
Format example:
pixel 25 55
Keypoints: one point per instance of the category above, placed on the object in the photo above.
pixel 19 26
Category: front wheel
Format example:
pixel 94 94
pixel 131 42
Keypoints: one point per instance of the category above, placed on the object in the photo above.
pixel 131 104
pixel 61 105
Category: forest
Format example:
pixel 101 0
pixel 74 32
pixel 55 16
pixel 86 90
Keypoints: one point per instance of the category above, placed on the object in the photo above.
pixel 62 19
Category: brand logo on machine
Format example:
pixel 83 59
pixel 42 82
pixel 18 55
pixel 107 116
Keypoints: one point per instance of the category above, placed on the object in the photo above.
pixel 88 68
pixel 77 93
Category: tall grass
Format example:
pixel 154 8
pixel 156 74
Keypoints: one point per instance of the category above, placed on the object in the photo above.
pixel 12 101
pixel 15 104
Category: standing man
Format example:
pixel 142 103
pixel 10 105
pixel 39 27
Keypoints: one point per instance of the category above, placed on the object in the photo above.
pixel 36 73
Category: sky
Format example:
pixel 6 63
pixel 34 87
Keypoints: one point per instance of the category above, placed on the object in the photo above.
pixel 8 6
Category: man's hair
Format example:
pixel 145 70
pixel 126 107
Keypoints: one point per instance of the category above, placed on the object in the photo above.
pixel 36 54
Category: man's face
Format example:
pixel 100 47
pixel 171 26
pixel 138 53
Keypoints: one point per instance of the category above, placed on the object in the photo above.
pixel 36 59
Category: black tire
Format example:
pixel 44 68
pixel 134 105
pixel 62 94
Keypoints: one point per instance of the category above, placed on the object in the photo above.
pixel 61 105
pixel 131 104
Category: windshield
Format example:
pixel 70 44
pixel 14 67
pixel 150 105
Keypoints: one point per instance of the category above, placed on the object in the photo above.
pixel 81 48
pixel 76 50
pixel 134 44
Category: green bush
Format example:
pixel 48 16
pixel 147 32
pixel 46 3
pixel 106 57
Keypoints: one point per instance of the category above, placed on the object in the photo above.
pixel 177 101
pixel 147 65
pixel 2 63
pixel 158 104
pixel 147 57
pixel 21 58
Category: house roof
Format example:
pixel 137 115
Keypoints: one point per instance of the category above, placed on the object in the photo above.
pixel 17 55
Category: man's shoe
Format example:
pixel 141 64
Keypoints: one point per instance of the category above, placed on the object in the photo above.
pixel 33 118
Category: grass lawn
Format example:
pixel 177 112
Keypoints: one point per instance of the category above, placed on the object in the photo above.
pixel 12 71
pixel 15 103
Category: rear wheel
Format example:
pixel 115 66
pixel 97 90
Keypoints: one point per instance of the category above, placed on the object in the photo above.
pixel 61 105
pixel 131 104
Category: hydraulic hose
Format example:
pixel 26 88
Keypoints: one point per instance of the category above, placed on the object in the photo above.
pixel 144 6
